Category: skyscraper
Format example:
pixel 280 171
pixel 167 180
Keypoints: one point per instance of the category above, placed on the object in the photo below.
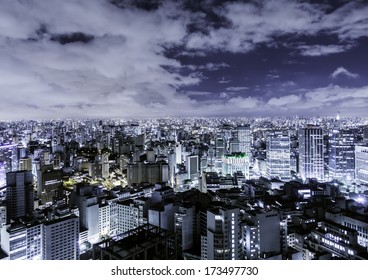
pixel 60 238
pixel 244 138
pixel 341 157
pixel 49 181
pixel 261 234
pixel 311 159
pixel 2 174
pixel 14 241
pixel 278 155
pixel 19 194
pixel 219 152
pixel 192 165
pixel 9 155
pixel 361 163
pixel 222 234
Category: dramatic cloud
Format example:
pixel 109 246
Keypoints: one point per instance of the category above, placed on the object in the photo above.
pixel 101 58
pixel 349 21
pixel 341 71
pixel 253 23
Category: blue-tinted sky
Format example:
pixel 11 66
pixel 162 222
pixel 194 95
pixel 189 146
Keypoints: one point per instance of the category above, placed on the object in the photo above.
pixel 101 58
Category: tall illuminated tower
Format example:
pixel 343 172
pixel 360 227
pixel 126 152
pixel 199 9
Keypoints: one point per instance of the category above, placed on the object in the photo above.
pixel 222 234
pixel 311 158
pixel 278 155
pixel 341 157
pixel 244 138
pixel 361 163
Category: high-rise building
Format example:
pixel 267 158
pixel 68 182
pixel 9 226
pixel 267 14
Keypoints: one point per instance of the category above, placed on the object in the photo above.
pixel 361 163
pixel 311 154
pixel 34 241
pixel 234 163
pixel 2 214
pixel 261 234
pixel 221 241
pixel 2 174
pixel 192 166
pixel 49 182
pixel 162 215
pixel 148 172
pixel 278 157
pixel 219 152
pixel 104 218
pixel 87 203
pixel 14 241
pixel 244 138
pixel 25 164
pixel 184 227
pixel 60 238
pixel 19 194
pixel 9 155
pixel 365 134
pixel 341 157
pixel 130 215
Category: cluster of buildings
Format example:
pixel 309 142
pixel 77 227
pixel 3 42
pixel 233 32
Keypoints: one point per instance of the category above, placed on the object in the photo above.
pixel 211 189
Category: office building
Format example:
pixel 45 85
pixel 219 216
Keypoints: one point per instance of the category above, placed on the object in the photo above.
pixel 341 156
pixel 14 241
pixel 261 234
pixel 245 139
pixel 130 215
pixel 232 163
pixel 278 157
pixel 184 227
pixel 361 163
pixel 2 174
pixel 61 238
pixel 19 194
pixel 311 153
pixel 84 197
pixel 192 167
pixel 49 183
pixel 152 173
pixel 9 155
pixel 25 164
pixel 222 234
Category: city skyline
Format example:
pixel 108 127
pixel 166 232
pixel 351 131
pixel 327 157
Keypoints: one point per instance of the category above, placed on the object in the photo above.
pixel 141 59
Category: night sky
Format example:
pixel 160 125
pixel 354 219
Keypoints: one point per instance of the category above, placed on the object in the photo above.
pixel 134 58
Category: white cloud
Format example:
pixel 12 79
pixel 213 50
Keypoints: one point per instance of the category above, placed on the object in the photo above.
pixel 118 73
pixel 348 22
pixel 123 70
pixel 341 71
pixel 321 50
pixel 256 22
pixel 287 100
